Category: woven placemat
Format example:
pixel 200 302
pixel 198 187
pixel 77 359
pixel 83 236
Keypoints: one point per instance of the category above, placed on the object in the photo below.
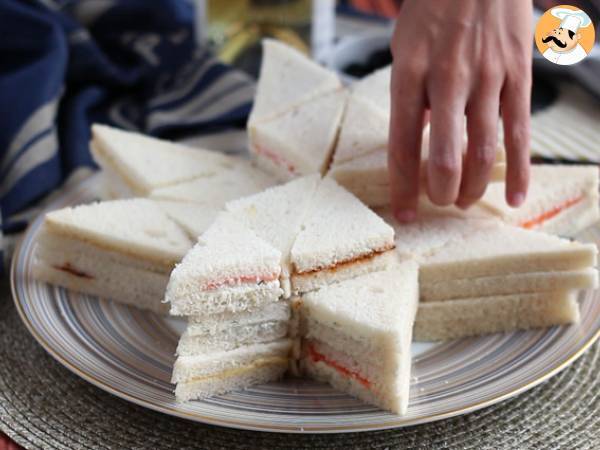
pixel 42 405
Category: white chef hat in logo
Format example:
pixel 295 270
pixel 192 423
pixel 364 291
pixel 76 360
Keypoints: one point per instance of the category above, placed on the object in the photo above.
pixel 571 19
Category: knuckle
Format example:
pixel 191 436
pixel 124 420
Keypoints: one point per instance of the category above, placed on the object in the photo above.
pixel 445 166
pixel 490 74
pixel 484 156
pixel 518 137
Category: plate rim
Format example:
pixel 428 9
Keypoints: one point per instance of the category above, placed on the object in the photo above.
pixel 291 428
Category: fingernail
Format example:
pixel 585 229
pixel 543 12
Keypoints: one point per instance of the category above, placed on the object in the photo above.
pixel 517 199
pixel 405 215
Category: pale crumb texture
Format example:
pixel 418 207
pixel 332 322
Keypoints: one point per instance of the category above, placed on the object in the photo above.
pixel 147 163
pixel 188 367
pixel 216 190
pixel 303 137
pixel 364 129
pixel 460 318
pixel 338 228
pixel 276 214
pixel 136 227
pixel 509 284
pixel 375 88
pixel 552 186
pixel 194 218
pixel 380 302
pixel 288 78
pixel 227 252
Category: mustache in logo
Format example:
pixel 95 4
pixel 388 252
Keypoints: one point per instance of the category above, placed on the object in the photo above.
pixel 556 41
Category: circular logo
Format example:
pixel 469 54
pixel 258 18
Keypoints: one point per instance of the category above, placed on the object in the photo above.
pixel 564 35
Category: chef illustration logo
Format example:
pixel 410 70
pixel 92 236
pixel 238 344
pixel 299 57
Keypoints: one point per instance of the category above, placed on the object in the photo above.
pixel 564 35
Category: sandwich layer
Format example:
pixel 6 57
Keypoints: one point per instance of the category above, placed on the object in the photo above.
pixel 506 250
pixel 230 269
pixel 338 229
pixel 509 284
pixel 276 215
pixel 193 218
pixel 358 334
pixel 145 163
pixel 218 372
pixel 228 331
pixel 137 228
pixel 562 199
pixel 242 180
pixel 301 140
pixel 460 318
pixel 287 79
pixel 345 270
pixel 133 287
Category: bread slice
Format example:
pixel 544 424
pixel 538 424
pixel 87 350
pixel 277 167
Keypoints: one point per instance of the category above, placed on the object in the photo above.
pixel 276 216
pixel 340 238
pixel 476 316
pixel 142 163
pixel 451 248
pixel 202 376
pixel 509 284
pixel 367 175
pixel 358 335
pixel 562 199
pixel 301 140
pixel 224 332
pixel 375 88
pixel 364 130
pixel 505 250
pixel 121 250
pixel 243 180
pixel 230 269
pixel 134 227
pixel 287 79
pixel 193 218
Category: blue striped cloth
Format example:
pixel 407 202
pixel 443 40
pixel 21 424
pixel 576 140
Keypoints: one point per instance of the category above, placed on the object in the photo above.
pixel 129 63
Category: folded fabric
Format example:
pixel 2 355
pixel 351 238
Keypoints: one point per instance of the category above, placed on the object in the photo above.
pixel 132 64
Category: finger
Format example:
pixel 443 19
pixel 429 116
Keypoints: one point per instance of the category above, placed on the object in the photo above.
pixel 515 101
pixel 404 153
pixel 446 142
pixel 482 130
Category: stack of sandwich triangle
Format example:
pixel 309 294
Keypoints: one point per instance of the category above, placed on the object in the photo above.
pixel 304 121
pixel 303 276
pixel 312 241
pixel 310 255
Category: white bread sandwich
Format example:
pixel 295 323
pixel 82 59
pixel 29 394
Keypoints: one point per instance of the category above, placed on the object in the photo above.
pixel 562 199
pixel 340 238
pixel 225 332
pixel 357 335
pixel 286 80
pixel 122 250
pixel 276 216
pixel 217 189
pixel 363 169
pixel 301 140
pixel 205 375
pixel 515 283
pixel 135 164
pixel 193 218
pixel 230 269
pixel 375 89
pixel 476 316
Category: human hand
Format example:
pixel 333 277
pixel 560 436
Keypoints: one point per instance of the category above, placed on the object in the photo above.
pixel 460 59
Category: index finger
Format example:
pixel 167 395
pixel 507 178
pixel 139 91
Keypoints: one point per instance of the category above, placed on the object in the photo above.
pixel 404 152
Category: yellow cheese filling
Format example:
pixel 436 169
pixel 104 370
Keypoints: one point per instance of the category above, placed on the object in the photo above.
pixel 258 363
